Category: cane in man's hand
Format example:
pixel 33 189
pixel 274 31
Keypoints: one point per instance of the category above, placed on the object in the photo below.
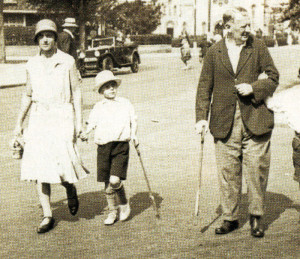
pixel 197 204
pixel 147 182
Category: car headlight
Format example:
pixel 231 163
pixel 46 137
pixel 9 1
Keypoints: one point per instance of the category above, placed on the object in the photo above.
pixel 82 55
pixel 97 53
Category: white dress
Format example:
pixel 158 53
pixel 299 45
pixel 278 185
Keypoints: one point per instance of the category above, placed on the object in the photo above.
pixel 50 153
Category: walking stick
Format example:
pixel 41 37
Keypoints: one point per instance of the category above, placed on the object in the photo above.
pixel 148 184
pixel 197 205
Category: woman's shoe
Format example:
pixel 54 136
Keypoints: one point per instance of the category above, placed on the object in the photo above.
pixel 73 202
pixel 45 227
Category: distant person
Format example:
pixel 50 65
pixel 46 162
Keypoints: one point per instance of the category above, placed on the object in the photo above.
pixel 120 37
pixel 259 33
pixel 204 45
pixel 127 39
pixel 185 49
pixel 230 92
pixel 53 93
pixel 115 124
pixel 66 41
pixel 185 53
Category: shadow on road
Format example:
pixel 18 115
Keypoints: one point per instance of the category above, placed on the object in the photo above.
pixel 141 201
pixel 276 204
pixel 93 204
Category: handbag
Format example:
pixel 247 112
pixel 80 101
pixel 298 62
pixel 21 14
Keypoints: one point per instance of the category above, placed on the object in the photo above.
pixel 17 147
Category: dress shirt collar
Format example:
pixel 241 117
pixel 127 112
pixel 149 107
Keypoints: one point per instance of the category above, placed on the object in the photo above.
pixel 231 44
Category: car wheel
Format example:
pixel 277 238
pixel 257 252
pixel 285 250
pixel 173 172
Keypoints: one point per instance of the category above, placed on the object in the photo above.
pixel 135 64
pixel 107 64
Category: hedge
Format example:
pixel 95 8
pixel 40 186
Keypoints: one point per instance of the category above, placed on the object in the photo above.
pixel 151 39
pixel 176 42
pixel 282 41
pixel 19 35
pixel 270 42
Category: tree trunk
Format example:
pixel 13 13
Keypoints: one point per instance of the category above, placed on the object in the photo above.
pixel 2 42
pixel 81 25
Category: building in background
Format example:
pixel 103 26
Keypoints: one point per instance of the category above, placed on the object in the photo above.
pixel 201 16
pixel 19 13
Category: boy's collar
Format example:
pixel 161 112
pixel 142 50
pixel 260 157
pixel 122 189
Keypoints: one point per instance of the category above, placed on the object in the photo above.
pixel 116 99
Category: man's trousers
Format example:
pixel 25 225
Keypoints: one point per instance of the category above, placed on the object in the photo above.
pixel 243 152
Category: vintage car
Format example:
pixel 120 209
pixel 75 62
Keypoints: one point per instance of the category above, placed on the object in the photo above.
pixel 108 54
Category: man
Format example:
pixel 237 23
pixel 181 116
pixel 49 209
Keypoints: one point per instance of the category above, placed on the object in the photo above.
pixel 66 39
pixel 240 122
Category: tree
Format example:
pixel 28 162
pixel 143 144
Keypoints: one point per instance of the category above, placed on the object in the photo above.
pixel 2 42
pixel 292 13
pixel 135 17
pixel 83 10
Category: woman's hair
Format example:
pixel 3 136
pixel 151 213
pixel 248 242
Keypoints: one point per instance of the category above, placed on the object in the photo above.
pixel 233 12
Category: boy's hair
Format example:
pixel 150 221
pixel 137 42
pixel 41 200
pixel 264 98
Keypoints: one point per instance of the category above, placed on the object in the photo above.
pixel 233 12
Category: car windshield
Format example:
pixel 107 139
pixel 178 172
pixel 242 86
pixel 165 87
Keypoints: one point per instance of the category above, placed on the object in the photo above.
pixel 102 42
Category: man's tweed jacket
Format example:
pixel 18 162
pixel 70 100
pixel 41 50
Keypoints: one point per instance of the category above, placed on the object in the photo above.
pixel 216 92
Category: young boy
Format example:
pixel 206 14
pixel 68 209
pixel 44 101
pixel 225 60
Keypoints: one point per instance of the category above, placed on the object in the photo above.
pixel 115 124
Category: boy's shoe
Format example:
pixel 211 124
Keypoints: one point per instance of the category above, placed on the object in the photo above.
pixel 111 218
pixel 124 211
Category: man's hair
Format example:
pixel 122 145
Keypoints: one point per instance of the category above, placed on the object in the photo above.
pixel 233 12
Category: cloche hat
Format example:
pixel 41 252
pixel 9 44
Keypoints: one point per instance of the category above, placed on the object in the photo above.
pixel 45 25
pixel 104 77
pixel 70 22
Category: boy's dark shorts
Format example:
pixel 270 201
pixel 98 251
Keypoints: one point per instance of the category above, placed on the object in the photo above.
pixel 296 156
pixel 112 159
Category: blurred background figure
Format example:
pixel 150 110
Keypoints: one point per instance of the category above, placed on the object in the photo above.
pixel 66 41
pixel 185 47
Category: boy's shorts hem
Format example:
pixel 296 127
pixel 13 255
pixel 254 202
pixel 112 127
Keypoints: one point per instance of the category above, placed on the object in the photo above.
pixel 112 159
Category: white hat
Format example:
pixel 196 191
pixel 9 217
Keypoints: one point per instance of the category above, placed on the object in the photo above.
pixel 104 77
pixel 70 22
pixel 45 25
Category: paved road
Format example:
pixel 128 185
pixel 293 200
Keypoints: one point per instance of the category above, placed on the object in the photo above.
pixel 163 95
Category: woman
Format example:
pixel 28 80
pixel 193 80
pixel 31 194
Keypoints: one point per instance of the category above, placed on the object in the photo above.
pixel 53 93
pixel 185 47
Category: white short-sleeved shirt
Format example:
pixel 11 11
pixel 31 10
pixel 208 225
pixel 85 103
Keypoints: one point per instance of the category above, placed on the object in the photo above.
pixel 51 85
pixel 112 120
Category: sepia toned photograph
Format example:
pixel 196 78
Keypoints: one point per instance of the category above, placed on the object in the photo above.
pixel 150 129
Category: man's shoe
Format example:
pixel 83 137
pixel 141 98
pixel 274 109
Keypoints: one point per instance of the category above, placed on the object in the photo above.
pixel 111 218
pixel 46 225
pixel 256 227
pixel 124 211
pixel 73 202
pixel 227 227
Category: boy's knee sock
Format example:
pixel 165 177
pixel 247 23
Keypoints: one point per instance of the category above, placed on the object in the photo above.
pixel 121 195
pixel 110 194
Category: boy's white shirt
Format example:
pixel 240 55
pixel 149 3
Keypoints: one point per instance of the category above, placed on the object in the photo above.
pixel 113 120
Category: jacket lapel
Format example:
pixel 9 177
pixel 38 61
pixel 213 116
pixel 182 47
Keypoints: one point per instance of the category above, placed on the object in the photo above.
pixel 244 56
pixel 223 52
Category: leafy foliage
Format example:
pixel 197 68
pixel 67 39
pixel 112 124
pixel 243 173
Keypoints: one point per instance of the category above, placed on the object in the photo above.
pixel 292 13
pixel 135 17
pixel 83 10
